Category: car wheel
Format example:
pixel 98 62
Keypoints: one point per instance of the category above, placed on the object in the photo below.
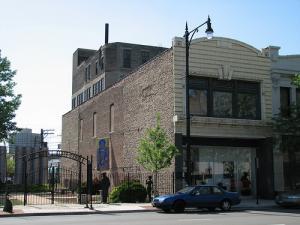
pixel 166 210
pixel 225 205
pixel 179 206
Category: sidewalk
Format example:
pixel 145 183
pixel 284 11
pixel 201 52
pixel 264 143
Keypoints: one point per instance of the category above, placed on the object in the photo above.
pixel 74 209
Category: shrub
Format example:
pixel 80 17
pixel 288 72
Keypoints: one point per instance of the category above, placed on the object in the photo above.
pixel 38 188
pixel 131 191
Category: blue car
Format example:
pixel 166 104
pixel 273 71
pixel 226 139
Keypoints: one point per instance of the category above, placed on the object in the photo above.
pixel 201 196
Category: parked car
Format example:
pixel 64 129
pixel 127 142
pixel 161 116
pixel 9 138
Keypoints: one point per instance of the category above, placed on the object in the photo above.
pixel 201 196
pixel 288 199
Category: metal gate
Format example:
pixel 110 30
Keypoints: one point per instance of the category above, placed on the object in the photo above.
pixel 50 184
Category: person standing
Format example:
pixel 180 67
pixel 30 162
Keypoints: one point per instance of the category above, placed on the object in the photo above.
pixel 149 185
pixel 104 184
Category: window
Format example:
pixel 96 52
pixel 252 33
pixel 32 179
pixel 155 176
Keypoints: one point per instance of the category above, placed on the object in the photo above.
pixel 94 124
pixel 101 63
pixel 246 103
pixel 284 100
pixel 198 102
pixel 79 99
pixel 85 96
pixel 94 89
pixel 202 191
pixel 81 130
pixel 198 96
pixel 86 74
pixel 222 104
pixel 224 99
pixel 216 190
pixel 96 67
pixel 145 55
pixel 98 86
pixel 111 118
pixel 127 58
pixel 102 84
pixel 73 103
pixel 89 93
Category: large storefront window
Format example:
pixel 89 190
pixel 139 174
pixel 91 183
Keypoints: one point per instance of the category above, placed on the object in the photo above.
pixel 224 99
pixel 222 104
pixel 198 102
pixel 246 105
pixel 233 167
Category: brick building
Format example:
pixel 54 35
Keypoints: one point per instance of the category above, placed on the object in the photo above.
pixel 96 70
pixel 231 106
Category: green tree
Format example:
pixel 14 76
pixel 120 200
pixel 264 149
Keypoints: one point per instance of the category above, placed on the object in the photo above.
pixel 10 165
pixel 286 127
pixel 155 151
pixel 296 80
pixel 9 102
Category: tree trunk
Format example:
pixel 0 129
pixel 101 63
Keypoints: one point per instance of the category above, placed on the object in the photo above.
pixel 155 191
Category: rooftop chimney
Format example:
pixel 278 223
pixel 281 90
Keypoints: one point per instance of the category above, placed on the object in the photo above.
pixel 106 33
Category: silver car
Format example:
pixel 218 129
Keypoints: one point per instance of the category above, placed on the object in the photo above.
pixel 288 199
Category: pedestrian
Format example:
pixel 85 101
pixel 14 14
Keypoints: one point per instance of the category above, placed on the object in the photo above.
pixel 149 185
pixel 246 184
pixel 8 207
pixel 104 185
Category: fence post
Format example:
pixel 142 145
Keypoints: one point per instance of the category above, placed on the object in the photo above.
pixel 91 182
pixel 52 184
pixel 25 180
pixel 87 183
pixel 79 182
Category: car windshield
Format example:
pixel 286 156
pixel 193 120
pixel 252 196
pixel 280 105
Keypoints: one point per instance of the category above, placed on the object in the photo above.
pixel 185 190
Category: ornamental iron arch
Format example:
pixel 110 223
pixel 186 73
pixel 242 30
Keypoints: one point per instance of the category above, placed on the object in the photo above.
pixel 55 153
pixel 27 158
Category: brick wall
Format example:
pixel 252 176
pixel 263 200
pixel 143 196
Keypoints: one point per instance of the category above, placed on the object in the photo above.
pixel 137 99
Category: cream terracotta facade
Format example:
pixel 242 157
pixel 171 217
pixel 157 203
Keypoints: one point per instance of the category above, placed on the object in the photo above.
pixel 227 59
pixel 217 141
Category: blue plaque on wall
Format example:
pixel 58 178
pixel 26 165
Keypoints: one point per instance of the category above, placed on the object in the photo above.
pixel 103 154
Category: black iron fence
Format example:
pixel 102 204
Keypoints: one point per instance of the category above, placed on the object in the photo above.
pixel 57 185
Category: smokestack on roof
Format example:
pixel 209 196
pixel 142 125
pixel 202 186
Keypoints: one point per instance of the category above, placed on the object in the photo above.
pixel 106 33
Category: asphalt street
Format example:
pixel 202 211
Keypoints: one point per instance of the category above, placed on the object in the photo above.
pixel 157 218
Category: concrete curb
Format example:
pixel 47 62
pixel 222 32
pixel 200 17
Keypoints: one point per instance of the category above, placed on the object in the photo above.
pixel 77 213
pixel 95 211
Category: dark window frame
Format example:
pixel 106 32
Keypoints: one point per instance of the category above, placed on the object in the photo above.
pixel 235 87
pixel 285 110
pixel 73 103
pixel 96 68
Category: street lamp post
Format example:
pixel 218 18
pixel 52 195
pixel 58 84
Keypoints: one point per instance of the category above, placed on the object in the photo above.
pixel 209 31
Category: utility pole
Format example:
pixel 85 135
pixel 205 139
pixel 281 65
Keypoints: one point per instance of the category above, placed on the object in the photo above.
pixel 44 134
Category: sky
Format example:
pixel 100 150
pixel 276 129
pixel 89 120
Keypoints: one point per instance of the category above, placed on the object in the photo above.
pixel 40 36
